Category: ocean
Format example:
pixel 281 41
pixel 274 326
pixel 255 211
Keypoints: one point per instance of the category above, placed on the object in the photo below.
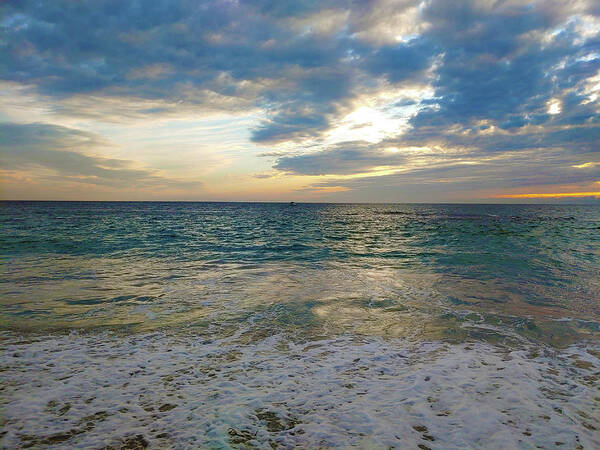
pixel 270 325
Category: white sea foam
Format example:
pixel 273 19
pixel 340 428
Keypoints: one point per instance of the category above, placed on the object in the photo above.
pixel 99 389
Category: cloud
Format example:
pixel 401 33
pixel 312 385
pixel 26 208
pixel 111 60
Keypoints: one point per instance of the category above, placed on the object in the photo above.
pixel 438 175
pixel 504 63
pixel 62 152
pixel 402 61
pixel 201 53
pixel 211 54
pixel 262 176
pixel 270 154
pixel 506 82
pixel 572 140
pixel 289 125
pixel 374 172
pixel 343 159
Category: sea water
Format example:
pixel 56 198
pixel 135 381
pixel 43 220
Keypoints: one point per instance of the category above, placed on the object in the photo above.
pixel 217 325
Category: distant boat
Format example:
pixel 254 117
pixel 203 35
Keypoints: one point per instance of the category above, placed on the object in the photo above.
pixel 292 203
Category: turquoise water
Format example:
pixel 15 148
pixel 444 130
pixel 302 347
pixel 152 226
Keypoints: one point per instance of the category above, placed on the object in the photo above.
pixel 235 325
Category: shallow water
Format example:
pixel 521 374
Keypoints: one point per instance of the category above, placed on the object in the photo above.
pixel 233 325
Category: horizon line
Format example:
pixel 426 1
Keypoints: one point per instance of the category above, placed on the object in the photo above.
pixel 304 202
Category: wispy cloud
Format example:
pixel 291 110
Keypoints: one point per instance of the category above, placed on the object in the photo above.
pixel 67 154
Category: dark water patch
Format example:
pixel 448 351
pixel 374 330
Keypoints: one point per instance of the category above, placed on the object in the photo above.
pixel 86 301
pixel 396 213
pixel 457 301
pixel 30 312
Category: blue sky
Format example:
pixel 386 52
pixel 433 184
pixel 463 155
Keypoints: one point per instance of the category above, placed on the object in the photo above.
pixel 393 101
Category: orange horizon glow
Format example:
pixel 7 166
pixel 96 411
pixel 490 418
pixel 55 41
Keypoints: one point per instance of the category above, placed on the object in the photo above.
pixel 561 194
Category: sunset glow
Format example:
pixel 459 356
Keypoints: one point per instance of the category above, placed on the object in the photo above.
pixel 551 195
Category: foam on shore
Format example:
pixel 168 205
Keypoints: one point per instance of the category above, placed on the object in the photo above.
pixel 100 389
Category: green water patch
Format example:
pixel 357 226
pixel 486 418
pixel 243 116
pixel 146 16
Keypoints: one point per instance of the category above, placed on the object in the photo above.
pixel 456 329
pixel 376 303
pixel 295 319
pixel 461 302
pixel 463 326
pixel 426 321
pixel 293 313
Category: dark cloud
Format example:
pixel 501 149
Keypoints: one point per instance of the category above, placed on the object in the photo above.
pixel 62 151
pixel 289 124
pixel 304 111
pixel 401 62
pixel 347 158
pixel 495 65
pixel 571 140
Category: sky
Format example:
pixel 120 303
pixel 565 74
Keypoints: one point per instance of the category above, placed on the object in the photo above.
pixel 321 101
